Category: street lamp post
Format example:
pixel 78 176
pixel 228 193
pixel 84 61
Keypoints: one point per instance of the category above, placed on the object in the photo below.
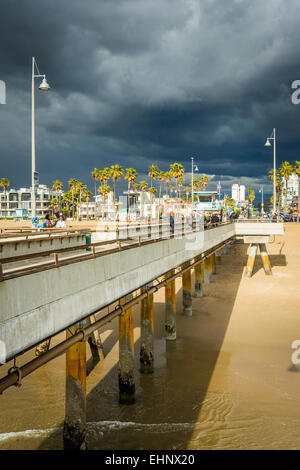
pixel 262 200
pixel 45 87
pixel 196 169
pixel 268 144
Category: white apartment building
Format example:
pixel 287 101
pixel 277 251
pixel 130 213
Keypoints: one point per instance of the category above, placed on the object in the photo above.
pixel 21 199
pixel 292 188
pixel 238 192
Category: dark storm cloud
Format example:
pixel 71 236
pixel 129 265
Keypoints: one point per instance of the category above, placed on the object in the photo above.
pixel 140 82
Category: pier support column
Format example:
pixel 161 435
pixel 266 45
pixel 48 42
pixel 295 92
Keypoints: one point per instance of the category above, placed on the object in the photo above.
pixel 146 351
pixel 75 418
pixel 170 302
pixel 251 260
pixel 206 271
pixel 198 280
pixel 265 259
pixel 95 343
pixel 214 268
pixel 187 293
pixel 126 354
pixel 218 257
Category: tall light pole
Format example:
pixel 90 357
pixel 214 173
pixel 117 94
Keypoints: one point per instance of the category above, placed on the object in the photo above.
pixel 196 169
pixel 268 144
pixel 262 200
pixel 34 176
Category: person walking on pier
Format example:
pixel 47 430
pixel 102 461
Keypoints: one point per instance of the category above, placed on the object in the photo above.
pixel 172 223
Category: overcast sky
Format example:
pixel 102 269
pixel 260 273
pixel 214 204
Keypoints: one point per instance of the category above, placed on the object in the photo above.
pixel 137 82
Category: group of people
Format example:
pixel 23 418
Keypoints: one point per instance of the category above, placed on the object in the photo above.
pixel 57 221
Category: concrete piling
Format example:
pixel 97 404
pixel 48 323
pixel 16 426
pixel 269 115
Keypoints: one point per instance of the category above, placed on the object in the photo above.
pixel 206 271
pixel 187 293
pixel 251 260
pixel 126 354
pixel 170 306
pixel 147 330
pixel 265 259
pixel 74 431
pixel 218 257
pixel 198 280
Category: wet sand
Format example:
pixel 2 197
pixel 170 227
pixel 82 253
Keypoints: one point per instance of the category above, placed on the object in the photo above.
pixel 227 382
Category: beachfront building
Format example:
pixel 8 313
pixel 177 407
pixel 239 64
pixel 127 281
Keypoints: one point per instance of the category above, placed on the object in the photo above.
pixel 290 190
pixel 206 201
pixel 17 202
pixel 238 193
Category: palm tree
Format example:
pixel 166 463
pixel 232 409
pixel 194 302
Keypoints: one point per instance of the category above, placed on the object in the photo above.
pixel 168 179
pixel 87 195
pixel 176 170
pixel 104 190
pixel 105 175
pixel 187 191
pixel 153 172
pixel 204 181
pixel 143 186
pixel 67 198
pixel 161 179
pixel 136 187
pixel 286 171
pixel 251 196
pixel 130 176
pixel 4 183
pixel 81 187
pixel 152 191
pixel 73 186
pixel 58 185
pixel 296 170
pixel 95 175
pixel 116 174
pixel 171 189
pixel 53 204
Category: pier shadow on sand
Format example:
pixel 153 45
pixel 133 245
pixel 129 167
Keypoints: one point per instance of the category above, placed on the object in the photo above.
pixel 173 408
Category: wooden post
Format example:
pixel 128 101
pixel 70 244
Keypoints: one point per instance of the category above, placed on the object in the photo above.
pixel 74 432
pixel 218 257
pixel 187 293
pixel 126 354
pixel 265 259
pixel 251 260
pixel 198 280
pixel 206 271
pixel 170 308
pixel 214 268
pixel 147 328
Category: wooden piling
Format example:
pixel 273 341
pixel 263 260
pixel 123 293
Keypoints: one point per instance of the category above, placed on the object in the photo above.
pixel 265 259
pixel 198 280
pixel 187 293
pixel 170 308
pixel 126 354
pixel 206 271
pixel 74 432
pixel 251 260
pixel 147 329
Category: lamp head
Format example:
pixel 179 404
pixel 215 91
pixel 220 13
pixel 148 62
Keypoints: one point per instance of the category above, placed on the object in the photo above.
pixel 196 168
pixel 44 85
pixel 267 144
